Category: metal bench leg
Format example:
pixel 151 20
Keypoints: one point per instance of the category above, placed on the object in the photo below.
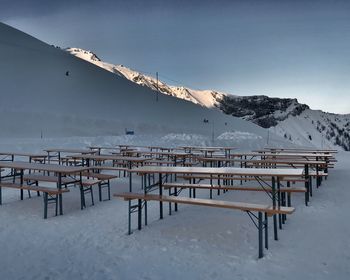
pixel 160 193
pixel 56 205
pixel 82 198
pixel 170 202
pixel 175 195
pixel 260 230
pixel 274 205
pixel 92 196
pixel 145 205
pixel 100 191
pixel 37 183
pixel 310 186
pixel 139 214
pixel 129 218
pixel 289 202
pixel 109 190
pixel 284 216
pixel 279 198
pixel 266 232
pixel 45 205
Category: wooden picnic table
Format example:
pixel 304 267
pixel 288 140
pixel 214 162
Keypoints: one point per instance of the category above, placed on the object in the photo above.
pixel 263 162
pixel 12 156
pixel 295 155
pixel 170 156
pixel 269 162
pixel 298 150
pixel 114 158
pixel 60 170
pixel 59 151
pixel 209 150
pixel 99 148
pixel 276 174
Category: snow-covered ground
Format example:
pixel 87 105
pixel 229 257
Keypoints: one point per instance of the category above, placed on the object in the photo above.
pixel 194 243
pixel 47 92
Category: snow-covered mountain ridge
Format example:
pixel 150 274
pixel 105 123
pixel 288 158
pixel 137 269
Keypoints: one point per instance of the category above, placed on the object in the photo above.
pixel 205 98
pixel 261 110
pixel 285 116
pixel 46 93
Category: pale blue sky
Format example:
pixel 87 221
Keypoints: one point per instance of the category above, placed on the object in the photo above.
pixel 298 49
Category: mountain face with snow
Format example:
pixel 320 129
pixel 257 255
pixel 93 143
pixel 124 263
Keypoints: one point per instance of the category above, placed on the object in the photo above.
pixel 205 98
pixel 47 92
pixel 286 117
pixel 261 110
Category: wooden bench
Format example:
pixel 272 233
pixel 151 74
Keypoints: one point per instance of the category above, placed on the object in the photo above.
pixel 237 178
pixel 120 169
pixel 242 206
pixel 36 177
pixel 159 162
pixel 167 162
pixel 50 194
pixel 104 182
pixel 233 188
pixel 281 192
pixel 85 184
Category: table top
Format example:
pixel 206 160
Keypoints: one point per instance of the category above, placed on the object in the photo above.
pixel 205 148
pixel 23 154
pixel 103 148
pixel 295 151
pixel 278 172
pixel 164 153
pixel 302 155
pixel 109 157
pixel 22 165
pixel 265 161
pixel 68 150
pixel 301 150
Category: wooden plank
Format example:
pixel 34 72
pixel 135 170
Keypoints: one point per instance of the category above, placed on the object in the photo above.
pixel 99 176
pixel 68 150
pixel 276 172
pixel 110 168
pixel 34 188
pixel 21 165
pixel 47 178
pixel 233 188
pixel 243 206
pixel 238 178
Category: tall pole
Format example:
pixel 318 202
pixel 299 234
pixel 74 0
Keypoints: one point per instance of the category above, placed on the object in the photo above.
pixel 157 87
pixel 268 136
pixel 212 134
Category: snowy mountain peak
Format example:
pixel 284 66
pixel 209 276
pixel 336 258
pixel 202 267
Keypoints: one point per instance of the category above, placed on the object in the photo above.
pixel 285 116
pixel 83 54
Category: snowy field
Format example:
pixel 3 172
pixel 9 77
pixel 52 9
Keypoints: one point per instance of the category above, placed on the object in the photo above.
pixel 194 243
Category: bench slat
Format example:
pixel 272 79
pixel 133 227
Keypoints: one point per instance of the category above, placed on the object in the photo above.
pixel 214 177
pixel 46 178
pixel 243 206
pixel 34 188
pixel 235 188
pixel 99 176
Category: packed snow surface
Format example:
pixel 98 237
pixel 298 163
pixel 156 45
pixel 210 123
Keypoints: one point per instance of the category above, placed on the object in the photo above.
pixel 194 243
